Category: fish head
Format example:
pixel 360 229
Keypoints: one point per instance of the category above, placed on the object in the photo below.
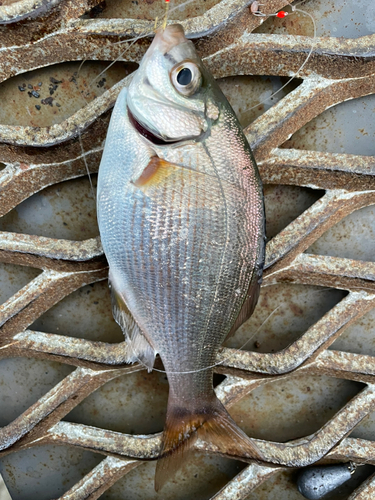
pixel 172 96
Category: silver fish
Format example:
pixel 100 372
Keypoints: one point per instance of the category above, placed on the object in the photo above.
pixel 181 218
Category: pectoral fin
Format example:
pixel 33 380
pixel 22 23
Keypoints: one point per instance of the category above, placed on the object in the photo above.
pixel 164 180
pixel 156 171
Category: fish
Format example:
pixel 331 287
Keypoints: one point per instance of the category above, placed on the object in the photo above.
pixel 181 219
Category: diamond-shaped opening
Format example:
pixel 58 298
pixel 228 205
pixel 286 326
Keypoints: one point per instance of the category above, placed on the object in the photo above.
pixel 137 9
pixel 23 381
pixel 285 203
pixel 218 378
pixel 47 96
pixel 251 96
pixel 358 338
pixel 347 127
pixel 200 477
pixel 45 472
pixel 13 278
pixel 135 403
pixel 85 313
pixel 303 404
pixel 366 428
pixel 283 486
pixel 284 312
pixel 351 238
pixel 66 210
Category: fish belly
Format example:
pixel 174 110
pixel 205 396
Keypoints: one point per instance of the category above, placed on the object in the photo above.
pixel 185 266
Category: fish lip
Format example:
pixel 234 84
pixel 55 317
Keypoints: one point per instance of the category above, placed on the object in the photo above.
pixel 150 136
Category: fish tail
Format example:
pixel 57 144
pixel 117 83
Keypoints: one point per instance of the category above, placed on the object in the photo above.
pixel 210 422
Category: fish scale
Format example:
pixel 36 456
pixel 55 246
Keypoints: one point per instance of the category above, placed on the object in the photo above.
pixel 181 218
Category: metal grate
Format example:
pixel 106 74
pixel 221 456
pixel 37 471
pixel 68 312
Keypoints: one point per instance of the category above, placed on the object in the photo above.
pixel 338 70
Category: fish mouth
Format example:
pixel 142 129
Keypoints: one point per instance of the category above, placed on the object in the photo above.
pixel 147 134
pixel 156 139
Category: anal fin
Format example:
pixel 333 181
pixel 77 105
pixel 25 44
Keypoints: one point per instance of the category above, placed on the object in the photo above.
pixel 139 347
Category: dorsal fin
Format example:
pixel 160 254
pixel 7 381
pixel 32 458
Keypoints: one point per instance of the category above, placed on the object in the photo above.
pixel 253 291
pixel 247 308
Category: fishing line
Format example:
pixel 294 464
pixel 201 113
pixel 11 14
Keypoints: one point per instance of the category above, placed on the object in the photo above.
pixel 282 14
pixel 254 9
pixel 162 25
pixel 133 41
pixel 239 349
pixel 206 367
pixel 86 165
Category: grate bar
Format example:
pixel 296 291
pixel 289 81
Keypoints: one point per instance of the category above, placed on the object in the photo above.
pixel 245 482
pixel 357 450
pixel 20 311
pixel 18 182
pixel 319 170
pixel 365 491
pixel 309 226
pixel 298 453
pixel 300 106
pixel 336 272
pixel 52 407
pixel 102 477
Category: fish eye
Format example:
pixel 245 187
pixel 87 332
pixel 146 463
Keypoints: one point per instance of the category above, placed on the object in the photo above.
pixel 186 78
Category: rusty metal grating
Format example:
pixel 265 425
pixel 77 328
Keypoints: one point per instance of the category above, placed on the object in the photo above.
pixel 338 70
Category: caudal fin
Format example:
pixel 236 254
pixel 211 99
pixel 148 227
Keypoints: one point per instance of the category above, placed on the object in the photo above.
pixel 210 422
